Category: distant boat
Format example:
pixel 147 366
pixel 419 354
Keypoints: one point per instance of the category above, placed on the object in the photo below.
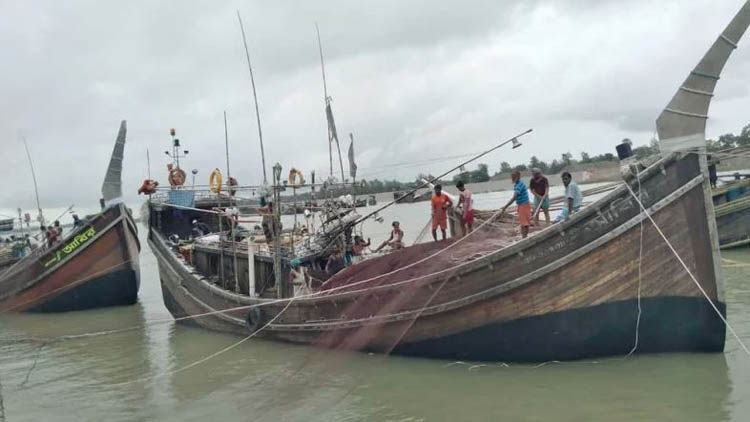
pixel 95 265
pixel 409 197
pixel 732 208
pixel 604 282
pixel 6 224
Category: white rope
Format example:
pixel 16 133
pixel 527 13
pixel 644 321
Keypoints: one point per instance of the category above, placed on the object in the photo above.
pixel 640 265
pixel 690 273
pixel 209 357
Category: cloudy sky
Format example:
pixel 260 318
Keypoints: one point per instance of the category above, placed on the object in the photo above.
pixel 414 81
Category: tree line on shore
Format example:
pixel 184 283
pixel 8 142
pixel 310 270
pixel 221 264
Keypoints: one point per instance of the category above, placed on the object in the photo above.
pixel 565 162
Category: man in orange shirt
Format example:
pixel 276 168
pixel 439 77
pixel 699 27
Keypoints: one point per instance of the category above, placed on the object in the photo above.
pixel 440 204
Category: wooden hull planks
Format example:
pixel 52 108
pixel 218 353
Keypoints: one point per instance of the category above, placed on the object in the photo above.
pixel 94 267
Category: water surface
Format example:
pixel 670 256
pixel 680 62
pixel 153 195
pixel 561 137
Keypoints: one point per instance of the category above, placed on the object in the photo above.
pixel 137 375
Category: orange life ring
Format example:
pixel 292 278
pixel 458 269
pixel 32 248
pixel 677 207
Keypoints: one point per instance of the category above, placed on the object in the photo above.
pixel 177 177
pixel 214 181
pixel 148 187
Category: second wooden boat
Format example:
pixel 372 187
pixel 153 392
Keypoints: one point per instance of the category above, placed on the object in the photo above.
pixel 95 265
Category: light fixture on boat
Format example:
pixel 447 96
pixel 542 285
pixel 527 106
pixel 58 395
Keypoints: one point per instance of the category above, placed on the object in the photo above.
pixel 516 144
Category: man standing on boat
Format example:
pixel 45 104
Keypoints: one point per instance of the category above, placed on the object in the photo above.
pixel 466 203
pixel 521 197
pixel 573 197
pixel 539 186
pixel 440 204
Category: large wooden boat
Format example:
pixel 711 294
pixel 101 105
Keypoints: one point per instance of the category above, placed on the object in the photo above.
pixel 588 286
pixel 95 265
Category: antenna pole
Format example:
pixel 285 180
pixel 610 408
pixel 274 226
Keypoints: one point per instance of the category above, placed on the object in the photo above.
pixel 148 164
pixel 33 177
pixel 226 143
pixel 255 98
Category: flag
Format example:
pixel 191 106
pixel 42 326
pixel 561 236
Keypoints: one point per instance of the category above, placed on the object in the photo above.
pixel 352 164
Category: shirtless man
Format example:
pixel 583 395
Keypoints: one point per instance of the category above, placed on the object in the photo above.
pixel 396 240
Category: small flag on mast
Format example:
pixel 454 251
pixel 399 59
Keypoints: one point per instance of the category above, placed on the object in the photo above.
pixel 352 164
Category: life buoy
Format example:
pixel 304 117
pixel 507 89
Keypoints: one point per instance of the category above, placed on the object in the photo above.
pixel 296 177
pixel 177 177
pixel 214 181
pixel 231 183
pixel 254 320
pixel 148 187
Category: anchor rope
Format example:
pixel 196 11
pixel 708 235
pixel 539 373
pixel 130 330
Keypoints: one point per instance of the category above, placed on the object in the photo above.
pixel 640 265
pixel 209 357
pixel 690 273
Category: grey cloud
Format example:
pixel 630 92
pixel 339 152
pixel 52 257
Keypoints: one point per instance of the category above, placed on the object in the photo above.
pixel 411 80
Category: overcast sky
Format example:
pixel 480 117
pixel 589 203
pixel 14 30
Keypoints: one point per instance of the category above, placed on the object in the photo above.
pixel 414 80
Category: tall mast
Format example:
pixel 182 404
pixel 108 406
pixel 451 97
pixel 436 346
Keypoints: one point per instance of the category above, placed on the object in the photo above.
pixel 255 98
pixel 226 144
pixel 332 134
pixel 36 189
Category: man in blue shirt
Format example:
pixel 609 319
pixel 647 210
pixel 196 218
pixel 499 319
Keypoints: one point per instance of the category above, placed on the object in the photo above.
pixel 573 198
pixel 521 197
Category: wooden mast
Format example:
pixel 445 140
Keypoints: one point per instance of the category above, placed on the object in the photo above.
pixel 40 216
pixel 255 99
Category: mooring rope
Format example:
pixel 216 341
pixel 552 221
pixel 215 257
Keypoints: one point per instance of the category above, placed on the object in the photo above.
pixel 209 357
pixel 640 265
pixel 690 273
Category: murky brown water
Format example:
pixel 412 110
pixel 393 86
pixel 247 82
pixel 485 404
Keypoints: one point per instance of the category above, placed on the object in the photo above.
pixel 102 378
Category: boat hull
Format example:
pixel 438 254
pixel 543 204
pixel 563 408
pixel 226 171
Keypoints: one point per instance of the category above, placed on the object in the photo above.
pixel 94 267
pixel 667 324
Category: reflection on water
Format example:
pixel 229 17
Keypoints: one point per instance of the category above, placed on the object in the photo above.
pixel 97 378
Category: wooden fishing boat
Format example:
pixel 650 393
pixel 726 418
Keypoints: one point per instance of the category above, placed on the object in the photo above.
pixel 732 202
pixel 588 286
pixel 95 265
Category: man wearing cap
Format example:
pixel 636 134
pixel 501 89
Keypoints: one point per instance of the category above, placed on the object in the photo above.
pixel 539 187
pixel 440 203
pixel 521 197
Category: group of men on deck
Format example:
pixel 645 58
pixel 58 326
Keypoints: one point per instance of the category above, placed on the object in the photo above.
pixel 539 188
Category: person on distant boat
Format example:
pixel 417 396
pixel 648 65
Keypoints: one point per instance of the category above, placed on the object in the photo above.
pixel 440 203
pixel 200 228
pixel 299 278
pixel 58 229
pixel 521 198
pixel 51 235
pixel 396 240
pixel 573 198
pixel 77 222
pixel 539 187
pixel 335 262
pixel 359 246
pixel 466 204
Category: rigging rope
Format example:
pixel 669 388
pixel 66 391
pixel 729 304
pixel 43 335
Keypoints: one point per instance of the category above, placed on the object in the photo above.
pixel 640 265
pixel 690 273
pixel 211 356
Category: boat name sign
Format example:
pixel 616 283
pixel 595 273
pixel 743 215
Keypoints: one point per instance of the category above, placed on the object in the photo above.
pixel 66 250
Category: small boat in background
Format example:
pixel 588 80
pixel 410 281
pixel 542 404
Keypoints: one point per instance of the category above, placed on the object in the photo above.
pixel 732 208
pixel 6 225
pixel 95 265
